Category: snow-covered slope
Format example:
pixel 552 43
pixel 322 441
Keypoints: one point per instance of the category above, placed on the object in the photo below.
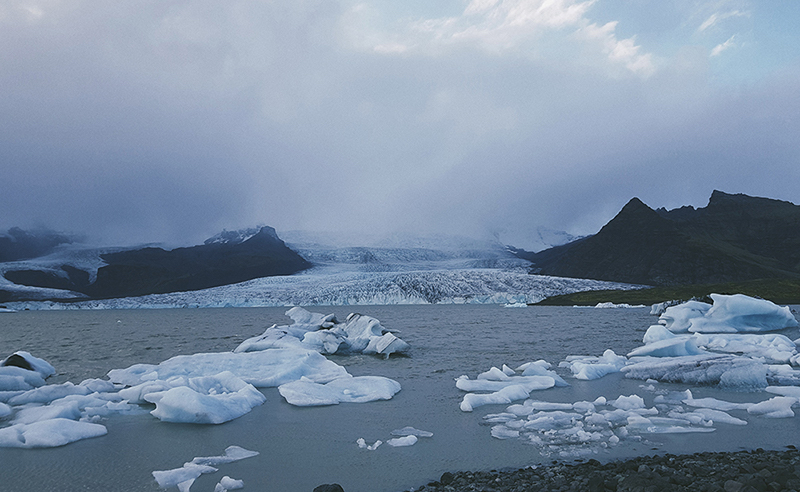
pixel 380 270
pixel 489 286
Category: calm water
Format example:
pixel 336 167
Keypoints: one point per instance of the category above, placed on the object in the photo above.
pixel 304 447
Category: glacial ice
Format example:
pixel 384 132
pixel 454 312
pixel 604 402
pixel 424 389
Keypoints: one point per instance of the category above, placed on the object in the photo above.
pixel 326 335
pixel 184 477
pixel 48 433
pixel 589 367
pixel 693 344
pixel 205 400
pixel 729 314
pixel 227 483
pixel 203 388
pixel 402 441
pixel 362 389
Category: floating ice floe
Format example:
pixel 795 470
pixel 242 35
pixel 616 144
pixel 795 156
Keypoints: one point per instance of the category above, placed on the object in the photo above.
pixel 729 314
pixel 362 389
pixel 204 388
pixel 326 335
pixel 694 344
pixel 507 385
pixel 407 436
pixel 184 477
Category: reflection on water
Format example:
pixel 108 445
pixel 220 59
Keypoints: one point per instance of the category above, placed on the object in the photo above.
pixel 304 447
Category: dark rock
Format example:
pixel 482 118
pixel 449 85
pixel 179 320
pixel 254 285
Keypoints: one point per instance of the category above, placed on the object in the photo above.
pixel 16 360
pixel 447 478
pixel 329 487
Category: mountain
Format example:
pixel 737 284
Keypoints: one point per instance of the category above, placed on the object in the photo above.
pixel 151 270
pixel 17 244
pixel 734 238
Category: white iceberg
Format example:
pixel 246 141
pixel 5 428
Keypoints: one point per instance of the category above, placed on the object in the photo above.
pixel 48 433
pixel 402 441
pixel 361 389
pixel 589 367
pixel 205 400
pixel 729 314
pixel 265 368
pixel 326 335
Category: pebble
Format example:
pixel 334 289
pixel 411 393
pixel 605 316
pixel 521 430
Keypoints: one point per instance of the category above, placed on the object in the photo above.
pixel 741 471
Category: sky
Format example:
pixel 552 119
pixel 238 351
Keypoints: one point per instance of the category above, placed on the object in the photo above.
pixel 169 121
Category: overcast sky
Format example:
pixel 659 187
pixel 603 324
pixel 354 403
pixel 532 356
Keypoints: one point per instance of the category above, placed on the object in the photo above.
pixel 171 120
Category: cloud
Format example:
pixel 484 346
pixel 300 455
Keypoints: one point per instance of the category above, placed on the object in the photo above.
pixel 534 28
pixel 730 43
pixel 173 121
pixel 717 17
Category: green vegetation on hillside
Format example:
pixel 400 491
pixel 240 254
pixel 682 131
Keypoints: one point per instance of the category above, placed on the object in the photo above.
pixel 779 291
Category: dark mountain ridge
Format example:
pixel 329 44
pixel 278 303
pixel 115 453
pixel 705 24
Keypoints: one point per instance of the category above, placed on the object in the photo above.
pixel 154 270
pixel 734 238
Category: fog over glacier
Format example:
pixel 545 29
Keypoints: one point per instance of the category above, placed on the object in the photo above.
pixel 136 123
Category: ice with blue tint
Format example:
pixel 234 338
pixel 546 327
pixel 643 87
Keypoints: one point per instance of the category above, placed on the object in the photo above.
pixel 362 389
pixel 205 400
pixel 729 314
pixel 203 388
pixel 693 344
pixel 326 335
pixel 184 477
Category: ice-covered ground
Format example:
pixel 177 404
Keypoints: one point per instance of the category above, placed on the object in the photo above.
pixel 723 351
pixel 347 271
pixel 203 388
pixel 326 288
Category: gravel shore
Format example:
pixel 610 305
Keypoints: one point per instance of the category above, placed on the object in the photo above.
pixel 742 471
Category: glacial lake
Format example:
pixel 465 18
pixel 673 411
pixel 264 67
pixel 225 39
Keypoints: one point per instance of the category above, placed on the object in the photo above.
pixel 301 448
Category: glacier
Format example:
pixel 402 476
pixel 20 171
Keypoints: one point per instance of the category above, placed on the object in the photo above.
pixel 348 270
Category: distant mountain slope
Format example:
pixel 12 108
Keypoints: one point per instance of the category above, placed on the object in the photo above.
pixel 734 238
pixel 155 270
pixel 17 244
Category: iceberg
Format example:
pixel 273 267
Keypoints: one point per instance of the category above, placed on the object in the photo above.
pixel 205 400
pixel 729 314
pixel 184 477
pixel 265 368
pixel 305 392
pixel 48 433
pixel 326 335
pixel 588 367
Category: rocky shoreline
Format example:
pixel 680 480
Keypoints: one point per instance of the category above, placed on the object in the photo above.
pixel 741 471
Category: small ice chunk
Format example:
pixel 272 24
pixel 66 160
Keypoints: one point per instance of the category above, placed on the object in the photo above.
pixel 533 383
pixel 179 477
pixel 778 407
pixel 402 441
pixel 628 402
pixel 494 374
pixel 232 453
pixel 590 368
pixel 505 395
pixel 363 444
pixel 670 347
pixel 359 389
pixel 410 431
pixel 717 416
pixel 48 433
pixel 227 483
pixel 503 432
